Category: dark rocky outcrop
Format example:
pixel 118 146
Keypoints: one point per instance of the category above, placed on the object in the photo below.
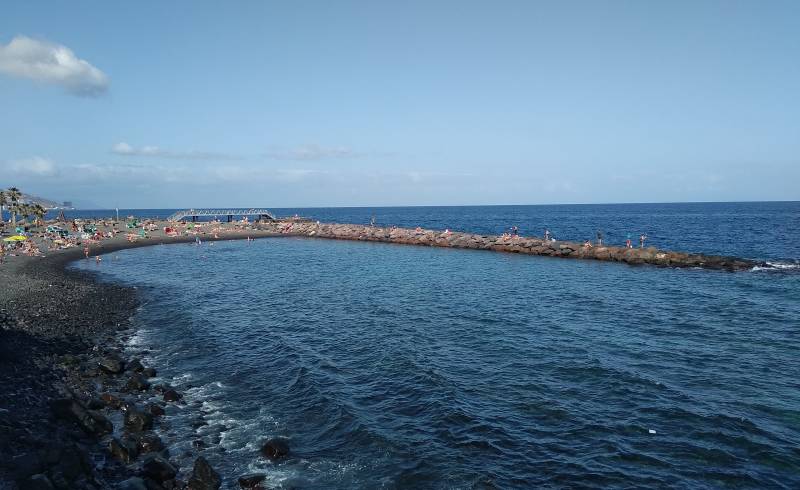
pixel 155 410
pixel 124 450
pixel 275 449
pixel 157 468
pixel 203 476
pixel 172 396
pixel 138 421
pixel 91 421
pixel 252 480
pixel 137 382
pixel 134 365
pixel 111 400
pixel 148 442
pixel 111 364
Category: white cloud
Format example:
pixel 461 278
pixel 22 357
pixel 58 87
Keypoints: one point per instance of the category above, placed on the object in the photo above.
pixel 46 62
pixel 312 152
pixel 125 149
pixel 29 167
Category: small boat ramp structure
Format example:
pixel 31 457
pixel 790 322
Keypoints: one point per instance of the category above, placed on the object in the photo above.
pixel 263 214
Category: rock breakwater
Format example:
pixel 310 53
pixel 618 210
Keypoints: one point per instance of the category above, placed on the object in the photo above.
pixel 514 244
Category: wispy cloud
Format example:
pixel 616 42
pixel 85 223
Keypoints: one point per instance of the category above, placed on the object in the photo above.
pixel 125 149
pixel 29 167
pixel 312 152
pixel 47 62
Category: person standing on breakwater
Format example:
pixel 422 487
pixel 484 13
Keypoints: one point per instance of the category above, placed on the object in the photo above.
pixel 642 238
pixel 546 235
pixel 628 242
pixel 599 238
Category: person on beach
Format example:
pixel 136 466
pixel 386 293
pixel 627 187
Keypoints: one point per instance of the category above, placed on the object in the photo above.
pixel 599 238
pixel 642 238
pixel 2 252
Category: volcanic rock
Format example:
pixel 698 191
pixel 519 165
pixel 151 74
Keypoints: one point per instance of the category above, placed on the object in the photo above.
pixel 203 476
pixel 251 480
pixel 275 449
pixel 158 468
pixel 138 421
pixel 111 364
pixel 137 382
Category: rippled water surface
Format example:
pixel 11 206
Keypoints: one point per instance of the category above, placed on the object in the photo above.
pixel 392 366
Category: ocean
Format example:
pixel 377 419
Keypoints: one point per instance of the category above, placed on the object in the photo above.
pixel 391 366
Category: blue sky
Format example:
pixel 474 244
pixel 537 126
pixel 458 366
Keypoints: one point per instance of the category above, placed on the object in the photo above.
pixel 177 104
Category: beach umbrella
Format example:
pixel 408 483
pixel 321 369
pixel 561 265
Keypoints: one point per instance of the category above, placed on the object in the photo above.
pixel 15 238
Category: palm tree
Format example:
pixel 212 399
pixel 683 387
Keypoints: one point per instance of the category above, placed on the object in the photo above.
pixel 24 211
pixel 14 195
pixel 3 202
pixel 39 211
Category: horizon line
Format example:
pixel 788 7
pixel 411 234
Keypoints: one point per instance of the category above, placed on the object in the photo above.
pixel 448 205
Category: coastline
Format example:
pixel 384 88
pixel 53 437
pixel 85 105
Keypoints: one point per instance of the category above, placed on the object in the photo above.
pixel 62 410
pixel 60 326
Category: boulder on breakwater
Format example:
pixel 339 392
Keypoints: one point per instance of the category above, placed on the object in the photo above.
pixel 513 244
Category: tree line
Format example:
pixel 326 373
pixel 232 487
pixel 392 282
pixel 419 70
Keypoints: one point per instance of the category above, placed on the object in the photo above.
pixel 11 199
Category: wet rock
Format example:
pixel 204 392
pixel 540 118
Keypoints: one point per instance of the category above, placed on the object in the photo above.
pixel 203 476
pixel 91 421
pixel 172 396
pixel 275 449
pixel 251 480
pixel 149 372
pixel 135 365
pixel 174 484
pixel 111 400
pixel 155 410
pixel 38 482
pixel 123 450
pixel 138 421
pixel 161 388
pixel 134 483
pixel 149 442
pixel 137 382
pixel 111 364
pixel 158 468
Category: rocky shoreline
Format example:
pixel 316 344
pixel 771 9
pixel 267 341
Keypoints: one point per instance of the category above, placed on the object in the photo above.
pixel 74 412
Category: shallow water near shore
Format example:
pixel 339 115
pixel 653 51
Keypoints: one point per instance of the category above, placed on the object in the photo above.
pixel 391 366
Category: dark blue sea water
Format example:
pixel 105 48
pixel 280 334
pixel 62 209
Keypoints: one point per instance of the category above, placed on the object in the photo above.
pixel 391 366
